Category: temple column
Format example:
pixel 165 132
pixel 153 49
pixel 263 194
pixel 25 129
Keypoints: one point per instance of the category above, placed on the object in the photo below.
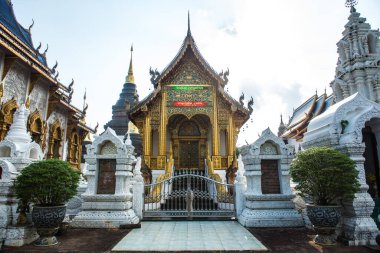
pixel 147 140
pixel 161 158
pixel 216 159
pixel 230 140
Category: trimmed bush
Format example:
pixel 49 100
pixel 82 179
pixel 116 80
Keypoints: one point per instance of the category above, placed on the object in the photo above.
pixel 325 174
pixel 47 183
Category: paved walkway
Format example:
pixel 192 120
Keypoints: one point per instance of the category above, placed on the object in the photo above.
pixel 189 236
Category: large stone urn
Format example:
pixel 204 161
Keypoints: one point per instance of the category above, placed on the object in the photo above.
pixel 324 220
pixel 47 220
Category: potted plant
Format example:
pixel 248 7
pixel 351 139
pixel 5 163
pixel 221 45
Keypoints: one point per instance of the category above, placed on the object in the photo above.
pixel 328 178
pixel 48 185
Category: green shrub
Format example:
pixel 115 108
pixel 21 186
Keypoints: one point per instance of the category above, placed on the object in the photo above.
pixel 47 183
pixel 324 174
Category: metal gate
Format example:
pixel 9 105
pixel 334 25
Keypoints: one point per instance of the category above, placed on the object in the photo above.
pixel 189 195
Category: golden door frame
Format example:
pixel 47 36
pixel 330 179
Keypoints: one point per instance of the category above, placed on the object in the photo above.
pixel 177 138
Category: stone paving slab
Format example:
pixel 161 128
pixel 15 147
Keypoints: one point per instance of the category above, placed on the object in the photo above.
pixel 189 236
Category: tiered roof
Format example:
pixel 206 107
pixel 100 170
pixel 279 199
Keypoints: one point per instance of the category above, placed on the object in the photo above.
pixel 302 116
pixel 17 40
pixel 189 46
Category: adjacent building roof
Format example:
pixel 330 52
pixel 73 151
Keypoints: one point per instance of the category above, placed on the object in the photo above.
pixel 301 117
pixel 17 40
pixel 8 19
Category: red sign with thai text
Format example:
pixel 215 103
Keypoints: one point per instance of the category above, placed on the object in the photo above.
pixel 189 103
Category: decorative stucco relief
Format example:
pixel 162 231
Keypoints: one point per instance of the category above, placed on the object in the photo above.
pixel 38 98
pixel 15 84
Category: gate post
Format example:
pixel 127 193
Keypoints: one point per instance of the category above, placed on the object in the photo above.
pixel 138 190
pixel 240 188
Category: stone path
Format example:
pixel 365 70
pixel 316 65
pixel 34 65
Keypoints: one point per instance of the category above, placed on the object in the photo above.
pixel 189 236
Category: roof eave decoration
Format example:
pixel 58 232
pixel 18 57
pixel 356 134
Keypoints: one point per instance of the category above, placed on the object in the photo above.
pixel 17 47
pixel 239 106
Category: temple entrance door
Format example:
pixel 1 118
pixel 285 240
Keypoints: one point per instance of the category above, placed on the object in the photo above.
pixel 189 154
pixel 371 163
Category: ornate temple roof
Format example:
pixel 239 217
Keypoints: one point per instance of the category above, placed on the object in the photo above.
pixel 17 40
pixel 189 46
pixel 188 42
pixel 9 21
pixel 301 117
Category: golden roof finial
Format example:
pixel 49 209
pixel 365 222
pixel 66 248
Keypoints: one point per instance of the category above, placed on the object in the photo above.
pixel 27 103
pixel 84 98
pixel 130 78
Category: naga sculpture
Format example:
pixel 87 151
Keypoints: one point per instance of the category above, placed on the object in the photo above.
pixel 30 27
pixel 250 104
pixel 224 76
pixel 71 85
pixel 241 99
pixel 71 94
pixel 154 74
pixel 39 46
pixel 54 67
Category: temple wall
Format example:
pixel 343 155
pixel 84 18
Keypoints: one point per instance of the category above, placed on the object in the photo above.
pixel 16 83
pixel 39 98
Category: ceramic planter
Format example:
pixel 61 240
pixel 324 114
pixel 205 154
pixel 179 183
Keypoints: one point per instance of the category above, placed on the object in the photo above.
pixel 324 220
pixel 47 221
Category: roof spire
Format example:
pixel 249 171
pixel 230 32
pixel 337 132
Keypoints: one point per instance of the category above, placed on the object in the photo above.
pixel 351 4
pixel 84 98
pixel 281 128
pixel 188 24
pixel 130 78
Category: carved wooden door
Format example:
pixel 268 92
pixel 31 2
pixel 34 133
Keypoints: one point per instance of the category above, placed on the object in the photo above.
pixel 189 155
pixel 270 182
pixel 106 176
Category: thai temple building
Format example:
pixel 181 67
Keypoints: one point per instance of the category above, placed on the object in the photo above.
pixel 173 154
pixel 54 122
pixel 189 121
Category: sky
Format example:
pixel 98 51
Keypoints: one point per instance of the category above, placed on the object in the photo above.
pixel 279 52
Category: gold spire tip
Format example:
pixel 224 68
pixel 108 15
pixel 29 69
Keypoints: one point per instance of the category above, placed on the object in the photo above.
pixel 130 78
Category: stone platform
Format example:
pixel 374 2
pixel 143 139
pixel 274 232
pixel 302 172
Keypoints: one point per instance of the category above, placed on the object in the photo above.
pixel 189 236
